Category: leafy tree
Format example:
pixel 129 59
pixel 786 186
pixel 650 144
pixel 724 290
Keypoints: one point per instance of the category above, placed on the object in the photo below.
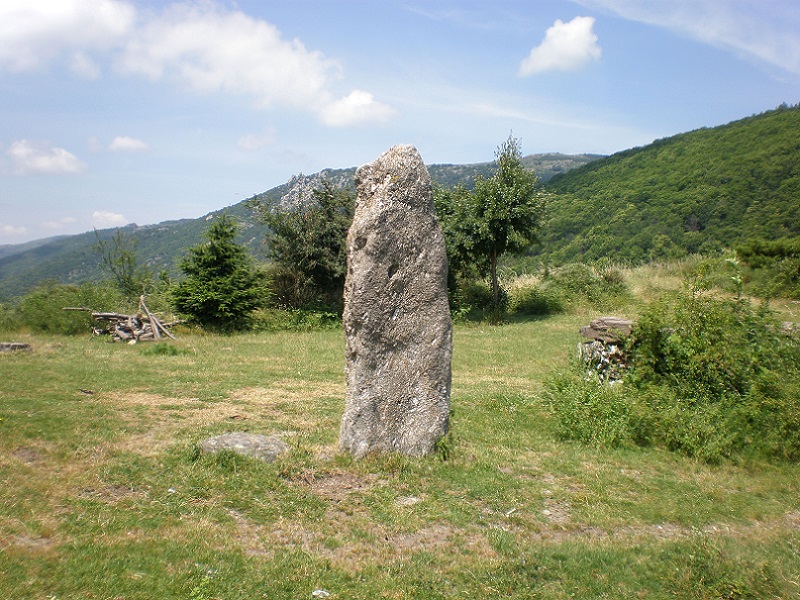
pixel 308 247
pixel 502 214
pixel 118 257
pixel 222 287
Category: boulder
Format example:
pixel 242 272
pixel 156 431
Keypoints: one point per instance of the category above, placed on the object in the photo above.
pixel 398 330
pixel 262 447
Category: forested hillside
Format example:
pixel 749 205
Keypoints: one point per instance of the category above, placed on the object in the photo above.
pixel 73 259
pixel 696 192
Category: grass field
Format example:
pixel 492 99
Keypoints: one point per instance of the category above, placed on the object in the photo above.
pixel 104 494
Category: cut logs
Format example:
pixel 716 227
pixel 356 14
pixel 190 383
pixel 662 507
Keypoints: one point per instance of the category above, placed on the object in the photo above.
pixel 141 327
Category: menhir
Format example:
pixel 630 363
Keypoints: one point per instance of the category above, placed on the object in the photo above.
pixel 398 330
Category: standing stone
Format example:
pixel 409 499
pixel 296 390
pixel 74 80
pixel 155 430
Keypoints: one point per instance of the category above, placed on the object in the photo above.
pixel 398 331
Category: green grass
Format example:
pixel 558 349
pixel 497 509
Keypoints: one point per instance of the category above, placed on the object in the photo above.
pixel 104 494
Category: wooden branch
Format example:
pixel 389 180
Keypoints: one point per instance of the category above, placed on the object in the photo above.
pixel 153 320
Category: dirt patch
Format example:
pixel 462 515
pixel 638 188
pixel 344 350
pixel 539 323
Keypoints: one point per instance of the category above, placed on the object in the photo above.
pixel 111 494
pixel 431 538
pixel 341 486
pixel 28 455
pixel 283 402
pixel 556 512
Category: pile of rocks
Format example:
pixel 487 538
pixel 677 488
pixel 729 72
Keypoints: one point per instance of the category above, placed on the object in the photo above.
pixel 604 353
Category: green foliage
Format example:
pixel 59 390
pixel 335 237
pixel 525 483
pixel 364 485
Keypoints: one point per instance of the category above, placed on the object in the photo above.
pixel 278 319
pixel 775 265
pixel 474 294
pixel 536 301
pixel 590 411
pixel 308 248
pixel 501 214
pixel 602 287
pixel 119 258
pixel 42 310
pixel 697 192
pixel 222 288
pixel 711 377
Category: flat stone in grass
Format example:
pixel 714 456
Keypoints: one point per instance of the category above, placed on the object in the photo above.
pixel 14 347
pixel 262 447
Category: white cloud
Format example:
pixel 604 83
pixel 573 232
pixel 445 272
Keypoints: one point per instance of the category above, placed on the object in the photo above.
pixel 102 219
pixel 357 108
pixel 123 143
pixel 33 33
pixel 32 158
pixel 206 49
pixel 767 30
pixel 6 229
pixel 566 47
pixel 202 47
pixel 83 66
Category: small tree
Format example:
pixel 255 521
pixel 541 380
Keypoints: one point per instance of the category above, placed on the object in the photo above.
pixel 308 247
pixel 118 256
pixel 222 287
pixel 508 209
pixel 501 214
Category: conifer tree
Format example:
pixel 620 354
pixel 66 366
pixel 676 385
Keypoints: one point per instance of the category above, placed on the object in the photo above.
pixel 222 287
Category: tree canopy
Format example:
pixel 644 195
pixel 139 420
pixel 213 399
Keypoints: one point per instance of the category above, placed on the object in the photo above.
pixel 501 214
pixel 307 245
pixel 222 287
pixel 701 191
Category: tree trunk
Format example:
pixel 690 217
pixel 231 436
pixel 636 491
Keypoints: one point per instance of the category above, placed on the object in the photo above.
pixel 495 284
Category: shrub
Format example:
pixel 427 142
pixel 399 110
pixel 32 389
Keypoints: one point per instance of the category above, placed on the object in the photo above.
pixel 222 287
pixel 710 377
pixel 602 287
pixel 536 301
pixel 589 411
pixel 42 310
pixel 478 295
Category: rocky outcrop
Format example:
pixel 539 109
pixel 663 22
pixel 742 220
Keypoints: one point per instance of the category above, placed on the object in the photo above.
pixel 397 322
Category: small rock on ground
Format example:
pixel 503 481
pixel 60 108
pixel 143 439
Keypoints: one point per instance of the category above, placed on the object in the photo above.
pixel 262 447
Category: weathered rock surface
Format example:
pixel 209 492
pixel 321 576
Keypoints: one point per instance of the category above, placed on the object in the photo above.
pixel 608 329
pixel 262 447
pixel 396 317
pixel 14 347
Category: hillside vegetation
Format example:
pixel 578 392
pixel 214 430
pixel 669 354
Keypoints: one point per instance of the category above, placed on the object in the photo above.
pixel 696 192
pixel 72 259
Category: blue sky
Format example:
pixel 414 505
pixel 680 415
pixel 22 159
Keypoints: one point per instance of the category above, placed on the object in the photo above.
pixel 126 111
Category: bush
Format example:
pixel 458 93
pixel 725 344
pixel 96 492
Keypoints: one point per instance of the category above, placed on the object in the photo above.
pixel 291 291
pixel 589 411
pixel 478 295
pixel 222 287
pixel 42 310
pixel 601 287
pixel 536 301
pixel 710 377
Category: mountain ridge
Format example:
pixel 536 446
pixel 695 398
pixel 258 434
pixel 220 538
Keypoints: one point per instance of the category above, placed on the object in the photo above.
pixel 72 259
